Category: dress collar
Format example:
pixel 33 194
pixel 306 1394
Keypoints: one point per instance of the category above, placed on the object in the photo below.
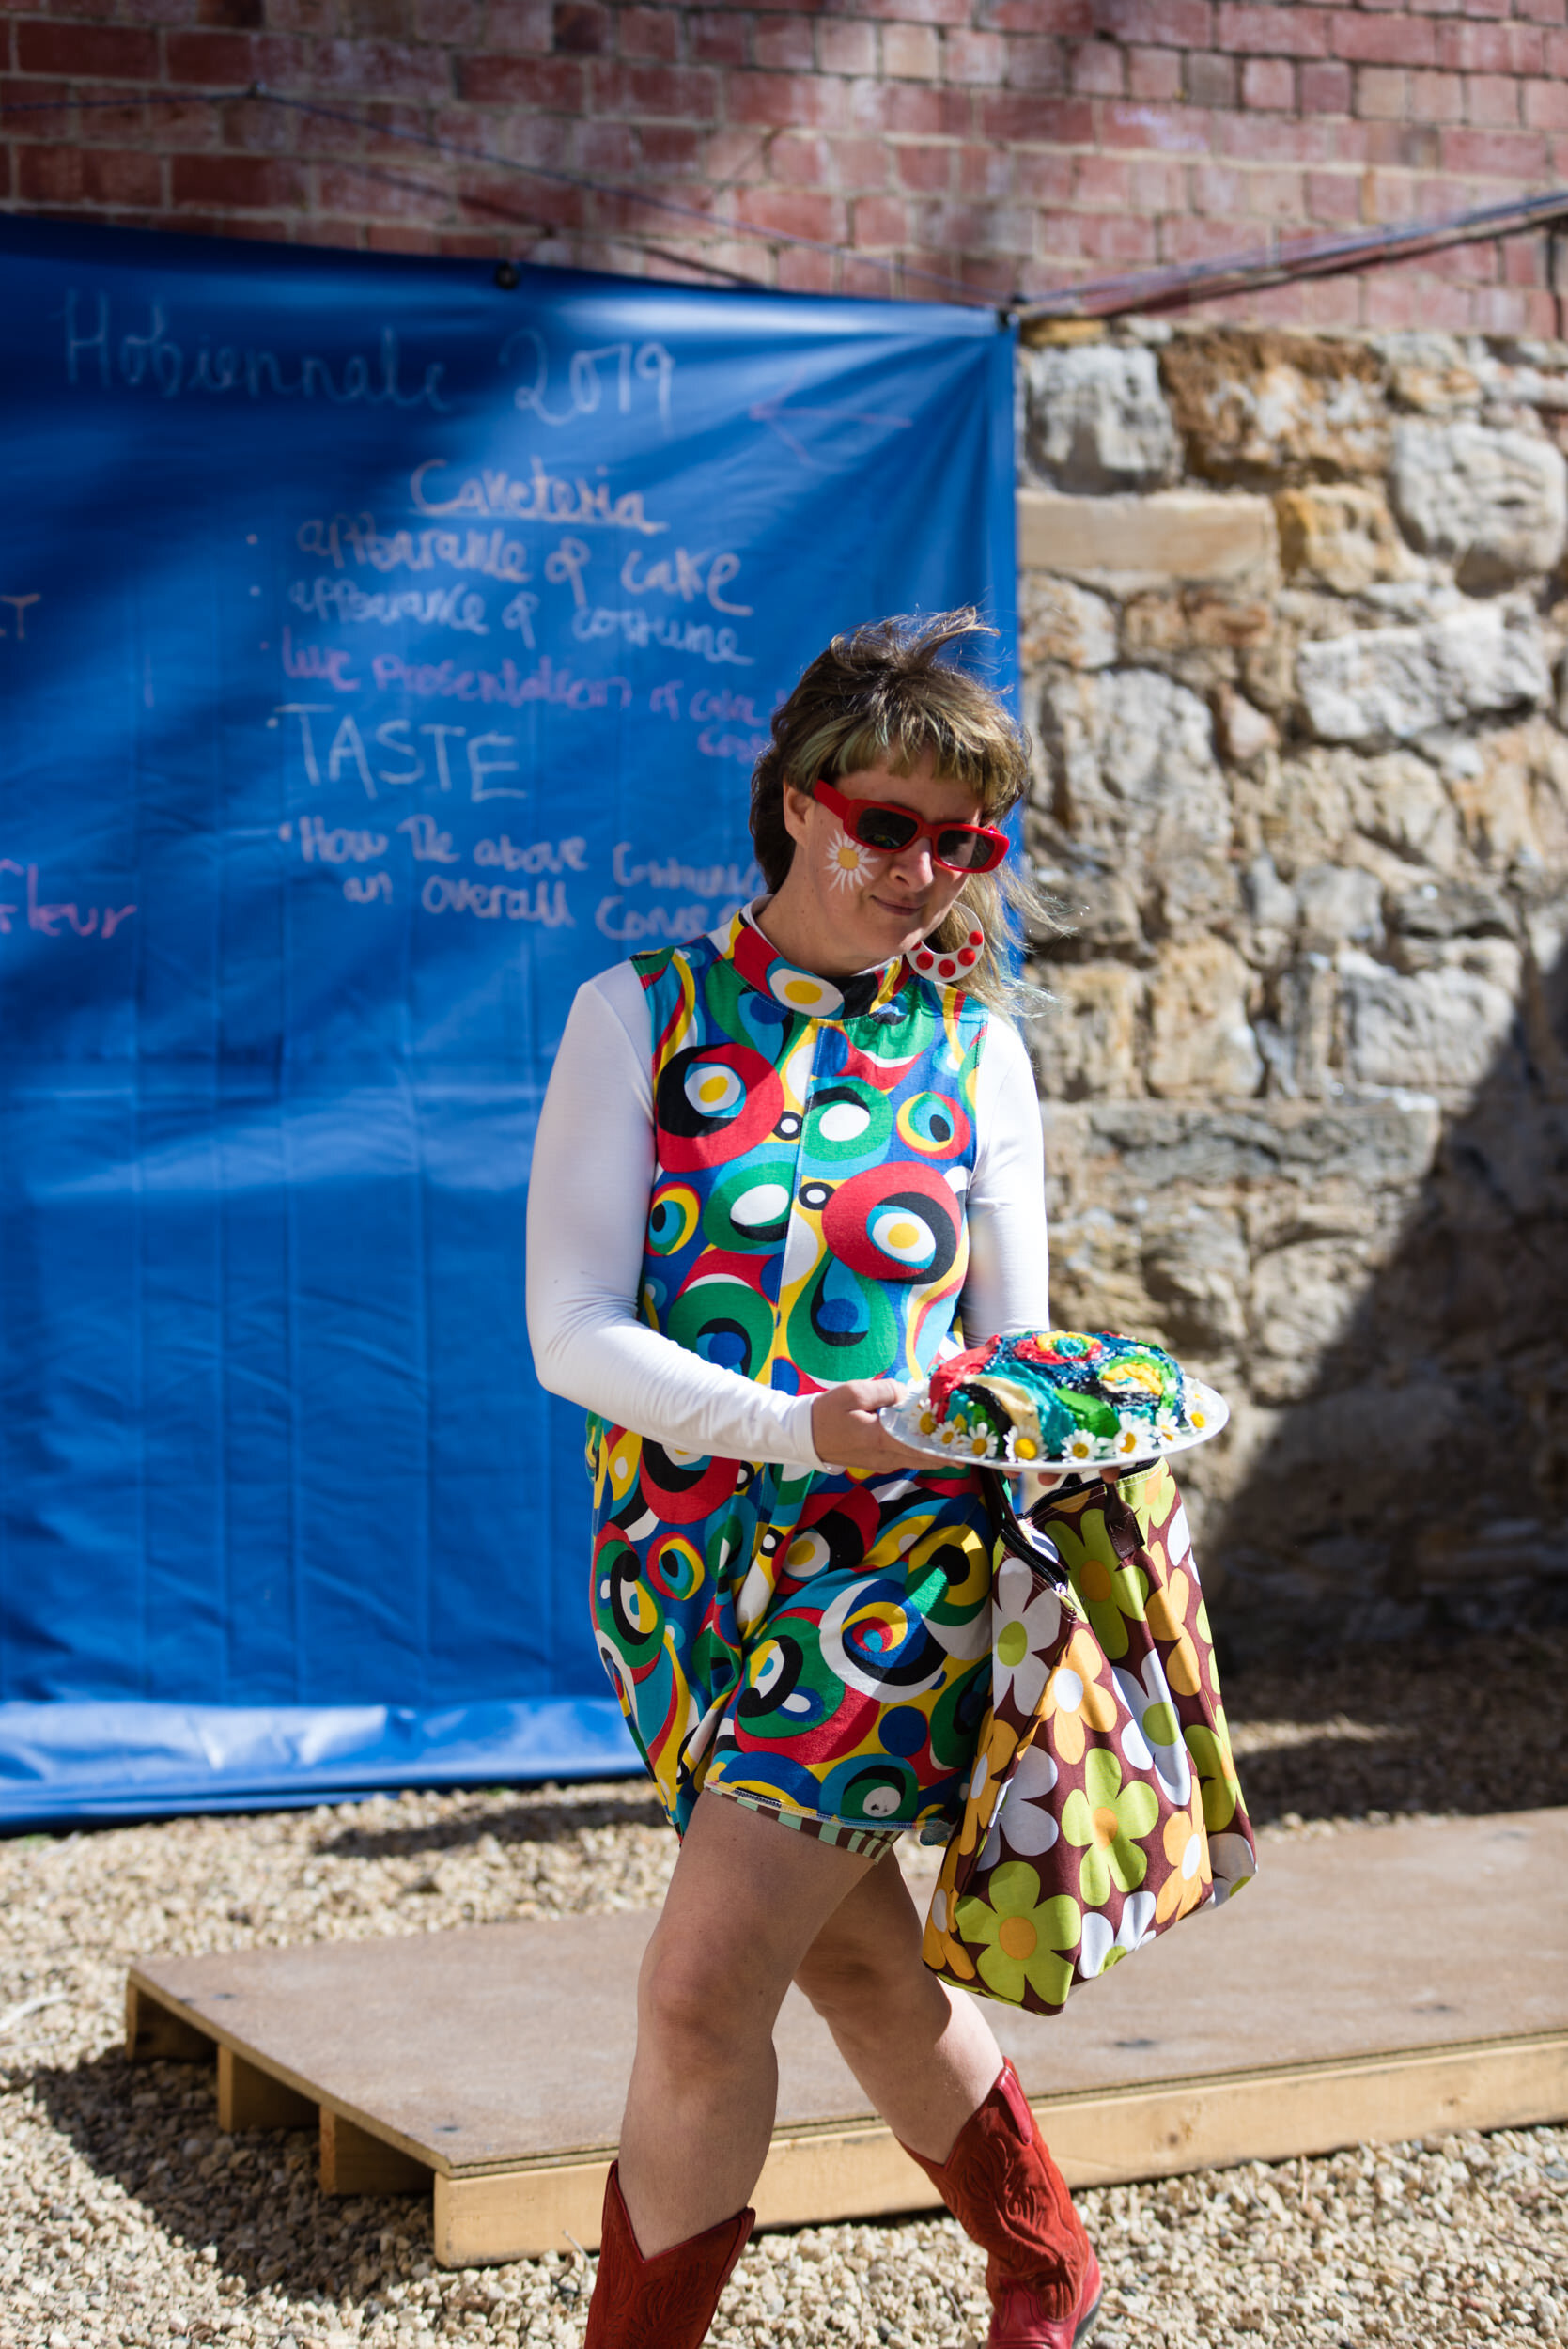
pixel 804 992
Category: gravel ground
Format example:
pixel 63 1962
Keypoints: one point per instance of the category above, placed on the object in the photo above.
pixel 127 2218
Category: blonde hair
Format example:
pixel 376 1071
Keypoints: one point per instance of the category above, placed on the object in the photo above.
pixel 883 695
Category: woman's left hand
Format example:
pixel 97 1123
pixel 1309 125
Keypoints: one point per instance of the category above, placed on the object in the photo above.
pixel 847 1433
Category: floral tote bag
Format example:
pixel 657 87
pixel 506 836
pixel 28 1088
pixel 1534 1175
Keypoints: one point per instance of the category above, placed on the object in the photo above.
pixel 1104 1803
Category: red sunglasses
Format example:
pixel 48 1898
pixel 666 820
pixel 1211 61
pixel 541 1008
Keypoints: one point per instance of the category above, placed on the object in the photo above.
pixel 962 847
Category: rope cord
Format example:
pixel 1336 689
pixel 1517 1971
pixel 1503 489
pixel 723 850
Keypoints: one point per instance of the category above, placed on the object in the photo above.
pixel 1146 291
pixel 608 187
pixel 1132 294
pixel 259 91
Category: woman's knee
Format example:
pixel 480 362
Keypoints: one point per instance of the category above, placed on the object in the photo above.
pixel 691 2002
pixel 858 1988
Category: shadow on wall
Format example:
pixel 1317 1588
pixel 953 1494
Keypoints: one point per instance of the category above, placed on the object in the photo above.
pixel 1421 1482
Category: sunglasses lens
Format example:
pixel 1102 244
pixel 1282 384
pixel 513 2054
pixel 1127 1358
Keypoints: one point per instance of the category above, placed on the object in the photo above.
pixel 967 850
pixel 885 827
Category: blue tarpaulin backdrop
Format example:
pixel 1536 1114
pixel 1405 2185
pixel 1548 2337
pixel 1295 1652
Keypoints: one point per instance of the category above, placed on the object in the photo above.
pixel 383 652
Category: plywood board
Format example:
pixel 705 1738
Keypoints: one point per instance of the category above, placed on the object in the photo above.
pixel 1338 1998
pixel 815 2176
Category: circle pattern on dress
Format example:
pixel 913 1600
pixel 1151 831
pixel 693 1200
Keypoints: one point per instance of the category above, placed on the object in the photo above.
pixel 722 1318
pixel 748 1207
pixel 935 1124
pixel 712 1102
pixel 801 992
pixel 817 1641
pixel 897 1222
pixel 673 1213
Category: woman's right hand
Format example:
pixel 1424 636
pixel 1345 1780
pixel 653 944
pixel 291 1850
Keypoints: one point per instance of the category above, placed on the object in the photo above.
pixel 847 1433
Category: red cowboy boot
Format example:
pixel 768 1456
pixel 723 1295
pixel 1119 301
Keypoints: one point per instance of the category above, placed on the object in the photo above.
pixel 666 2302
pixel 1008 2195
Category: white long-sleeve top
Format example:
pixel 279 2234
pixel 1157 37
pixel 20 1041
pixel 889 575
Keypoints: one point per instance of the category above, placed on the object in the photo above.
pixel 587 1221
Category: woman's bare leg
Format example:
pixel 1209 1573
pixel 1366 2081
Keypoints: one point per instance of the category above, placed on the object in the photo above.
pixel 926 2056
pixel 929 2063
pixel 748 1899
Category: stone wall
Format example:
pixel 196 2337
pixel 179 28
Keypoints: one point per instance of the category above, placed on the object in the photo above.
pixel 1293 613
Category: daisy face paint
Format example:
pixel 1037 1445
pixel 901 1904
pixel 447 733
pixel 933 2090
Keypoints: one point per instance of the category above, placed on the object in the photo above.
pixel 850 865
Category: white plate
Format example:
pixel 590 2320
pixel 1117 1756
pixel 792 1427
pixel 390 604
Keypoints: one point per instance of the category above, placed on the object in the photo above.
pixel 901 1419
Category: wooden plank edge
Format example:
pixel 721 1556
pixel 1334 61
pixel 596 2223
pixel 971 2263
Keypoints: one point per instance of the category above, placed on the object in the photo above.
pixel 356 2161
pixel 158 2033
pixel 1294 2110
pixel 858 2170
pixel 250 2099
pixel 193 2020
pixel 1066 2100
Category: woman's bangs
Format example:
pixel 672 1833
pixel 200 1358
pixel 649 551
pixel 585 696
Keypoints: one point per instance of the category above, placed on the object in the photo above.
pixel 987 762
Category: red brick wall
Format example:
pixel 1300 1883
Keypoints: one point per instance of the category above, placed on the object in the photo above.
pixel 1012 145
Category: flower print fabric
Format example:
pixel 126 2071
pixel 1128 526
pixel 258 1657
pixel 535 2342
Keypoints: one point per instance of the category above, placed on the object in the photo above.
pixel 1024 1939
pixel 1031 1826
pixel 813 1644
pixel 1106 1807
pixel 1078 1699
pixel 1152 1739
pixel 1112 1594
pixel 1187 1848
pixel 1102 1945
pixel 1024 1625
pixel 1106 1822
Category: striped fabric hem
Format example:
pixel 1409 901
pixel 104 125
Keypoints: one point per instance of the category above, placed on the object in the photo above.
pixel 843 1833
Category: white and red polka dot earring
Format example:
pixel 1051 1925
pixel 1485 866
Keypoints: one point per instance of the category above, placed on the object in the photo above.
pixel 949 966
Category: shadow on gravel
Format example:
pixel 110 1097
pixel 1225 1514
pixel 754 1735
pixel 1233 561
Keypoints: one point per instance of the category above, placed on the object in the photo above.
pixel 251 2199
pixel 527 1822
pixel 1468 1724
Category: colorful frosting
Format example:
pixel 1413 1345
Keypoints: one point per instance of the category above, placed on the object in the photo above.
pixel 1085 1396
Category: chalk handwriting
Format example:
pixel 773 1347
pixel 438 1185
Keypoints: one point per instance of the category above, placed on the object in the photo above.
pixel 706 881
pixel 518 613
pixel 544 498
pixel 747 748
pixel 444 682
pixel 324 598
pixel 533 856
pixel 389 737
pixel 98 922
pixel 666 698
pixel 340 846
pixel 681 574
pixel 774 412
pixel 617 920
pixel 492 900
pixel 19 607
pixel 365 889
pixel 93 351
pixel 304 711
pixel 638 627
pixel 566 566
pixel 711 704
pixel 430 845
pixel 353 537
pixel 485 754
pixel 621 367
pixel 328 661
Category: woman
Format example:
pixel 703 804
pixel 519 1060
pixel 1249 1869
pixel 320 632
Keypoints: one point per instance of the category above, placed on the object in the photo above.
pixel 772 1168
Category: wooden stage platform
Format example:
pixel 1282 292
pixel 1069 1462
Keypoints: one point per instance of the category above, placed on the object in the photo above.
pixel 1383 1982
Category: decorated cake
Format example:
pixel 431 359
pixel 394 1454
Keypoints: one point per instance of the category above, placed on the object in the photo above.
pixel 1084 1396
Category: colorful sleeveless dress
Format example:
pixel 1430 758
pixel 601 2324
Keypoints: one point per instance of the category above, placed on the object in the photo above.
pixel 814 1645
